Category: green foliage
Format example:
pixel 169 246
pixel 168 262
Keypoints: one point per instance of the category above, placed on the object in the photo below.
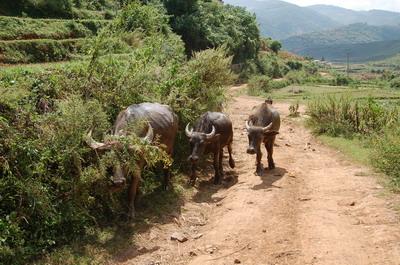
pixel 272 66
pixel 12 28
pixel 40 8
pixel 341 80
pixel 33 51
pixel 259 85
pixel 275 46
pixel 395 83
pixel 210 24
pixel 386 156
pixel 345 116
pixel 60 8
pixel 295 65
pixel 55 187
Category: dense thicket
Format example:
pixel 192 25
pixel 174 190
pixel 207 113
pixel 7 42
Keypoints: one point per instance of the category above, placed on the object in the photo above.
pixel 53 187
pixel 209 24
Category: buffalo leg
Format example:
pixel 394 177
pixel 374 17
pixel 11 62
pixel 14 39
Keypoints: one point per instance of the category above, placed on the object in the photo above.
pixel 259 165
pixel 167 178
pixel 217 177
pixel 133 189
pixel 193 177
pixel 231 161
pixel 221 169
pixel 270 149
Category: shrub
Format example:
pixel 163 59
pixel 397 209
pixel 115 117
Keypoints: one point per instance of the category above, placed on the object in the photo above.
pixel 295 65
pixel 269 65
pixel 386 155
pixel 395 83
pixel 341 80
pixel 275 46
pixel 347 116
pixel 210 24
pixel 259 85
pixel 55 188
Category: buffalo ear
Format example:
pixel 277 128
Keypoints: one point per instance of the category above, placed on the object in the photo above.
pixel 214 138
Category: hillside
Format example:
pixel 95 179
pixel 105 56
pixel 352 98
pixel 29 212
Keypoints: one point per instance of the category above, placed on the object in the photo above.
pixel 347 35
pixel 363 52
pixel 347 16
pixel 280 19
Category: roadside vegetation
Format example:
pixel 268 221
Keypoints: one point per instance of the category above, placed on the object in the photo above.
pixel 55 204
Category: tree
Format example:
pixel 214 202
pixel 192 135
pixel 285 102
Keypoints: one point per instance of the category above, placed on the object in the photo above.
pixel 210 24
pixel 275 46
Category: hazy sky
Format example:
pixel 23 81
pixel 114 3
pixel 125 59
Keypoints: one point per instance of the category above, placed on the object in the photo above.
pixel 391 5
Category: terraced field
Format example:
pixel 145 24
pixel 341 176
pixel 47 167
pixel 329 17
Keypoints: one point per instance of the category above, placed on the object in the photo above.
pixel 28 40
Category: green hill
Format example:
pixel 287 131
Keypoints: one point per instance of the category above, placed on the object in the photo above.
pixel 347 35
pixel 363 52
pixel 347 16
pixel 280 20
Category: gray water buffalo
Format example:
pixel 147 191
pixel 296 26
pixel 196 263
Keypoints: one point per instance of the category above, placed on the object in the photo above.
pixel 211 133
pixel 262 127
pixel 162 126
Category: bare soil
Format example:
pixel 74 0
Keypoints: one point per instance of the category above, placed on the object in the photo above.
pixel 314 208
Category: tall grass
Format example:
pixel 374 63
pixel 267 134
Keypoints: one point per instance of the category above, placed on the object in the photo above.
pixel 376 122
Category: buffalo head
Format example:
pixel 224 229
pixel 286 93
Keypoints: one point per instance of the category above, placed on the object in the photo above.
pixel 256 136
pixel 199 141
pixel 120 171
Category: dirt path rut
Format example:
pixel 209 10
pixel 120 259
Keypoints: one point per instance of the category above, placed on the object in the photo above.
pixel 314 208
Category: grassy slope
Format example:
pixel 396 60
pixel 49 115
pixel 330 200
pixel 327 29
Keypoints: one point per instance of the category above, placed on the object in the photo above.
pixel 13 28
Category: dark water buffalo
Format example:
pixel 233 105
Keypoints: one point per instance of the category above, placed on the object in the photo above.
pixel 211 133
pixel 162 126
pixel 262 127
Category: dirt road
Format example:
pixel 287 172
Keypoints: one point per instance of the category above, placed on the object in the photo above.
pixel 314 208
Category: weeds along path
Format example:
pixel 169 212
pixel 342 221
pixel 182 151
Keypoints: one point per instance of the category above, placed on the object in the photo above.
pixel 314 208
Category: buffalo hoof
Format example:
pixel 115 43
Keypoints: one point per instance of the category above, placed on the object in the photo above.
pixel 260 171
pixel 271 166
pixel 232 163
pixel 217 181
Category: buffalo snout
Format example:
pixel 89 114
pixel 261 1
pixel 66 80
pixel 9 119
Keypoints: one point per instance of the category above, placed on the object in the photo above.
pixel 118 182
pixel 251 151
pixel 193 158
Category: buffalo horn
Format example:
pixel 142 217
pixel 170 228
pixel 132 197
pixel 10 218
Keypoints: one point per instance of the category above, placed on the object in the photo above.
pixel 211 134
pixel 247 125
pixel 150 135
pixel 96 145
pixel 188 131
pixel 267 128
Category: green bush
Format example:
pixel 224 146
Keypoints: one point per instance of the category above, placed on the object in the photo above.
pixel 259 85
pixel 346 116
pixel 54 188
pixel 341 80
pixel 275 46
pixel 386 155
pixel 205 24
pixel 269 65
pixel 395 83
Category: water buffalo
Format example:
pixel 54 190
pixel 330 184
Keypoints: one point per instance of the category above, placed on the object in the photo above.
pixel 162 125
pixel 211 133
pixel 262 127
